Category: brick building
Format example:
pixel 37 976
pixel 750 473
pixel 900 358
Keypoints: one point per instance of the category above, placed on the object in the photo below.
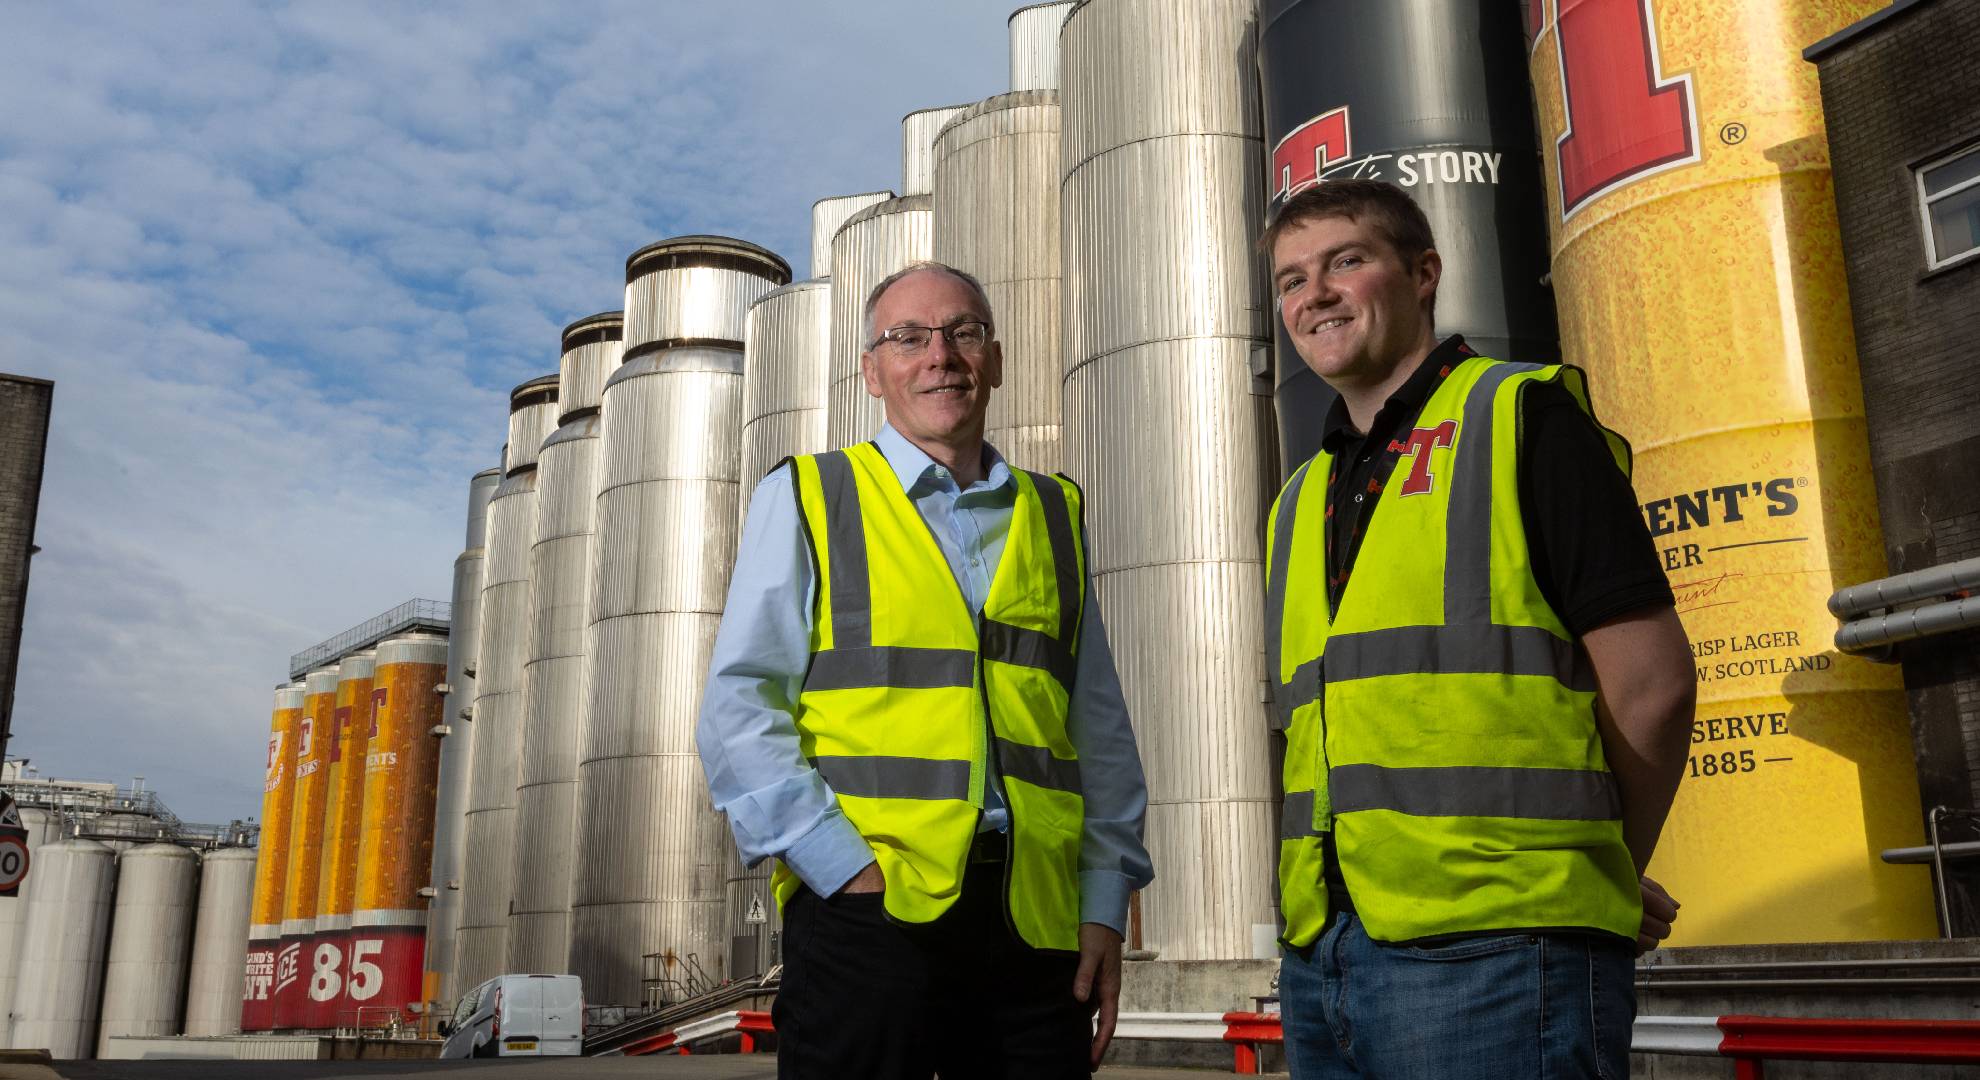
pixel 24 407
pixel 1901 93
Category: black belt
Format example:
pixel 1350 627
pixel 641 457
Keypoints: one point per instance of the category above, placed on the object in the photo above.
pixel 990 846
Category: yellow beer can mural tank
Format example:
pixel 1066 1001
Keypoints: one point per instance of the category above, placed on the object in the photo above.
pixel 1699 279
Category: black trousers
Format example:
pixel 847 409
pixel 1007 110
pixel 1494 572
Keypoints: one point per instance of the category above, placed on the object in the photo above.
pixel 960 998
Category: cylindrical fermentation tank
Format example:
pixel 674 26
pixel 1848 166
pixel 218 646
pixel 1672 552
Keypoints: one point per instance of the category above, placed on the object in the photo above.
pixel 1699 275
pixel 300 894
pixel 401 769
pixel 1430 95
pixel 651 861
pixel 151 929
pixel 997 217
pixel 343 812
pixel 214 983
pixel 486 888
pixel 1035 45
pixel 1166 427
pixel 918 131
pixel 271 867
pixel 553 697
pixel 786 343
pixel 872 244
pixel 40 825
pixel 443 916
pixel 826 216
pixel 65 934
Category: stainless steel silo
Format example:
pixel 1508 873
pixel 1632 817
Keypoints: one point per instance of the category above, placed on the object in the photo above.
pixel 214 983
pixel 40 825
pixel 918 130
pixel 1035 45
pixel 871 244
pixel 997 217
pixel 65 934
pixel 457 746
pixel 826 216
pixel 1168 427
pixel 651 855
pixel 151 932
pixel 786 343
pixel 489 851
pixel 553 694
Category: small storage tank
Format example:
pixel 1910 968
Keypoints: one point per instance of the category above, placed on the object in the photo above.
pixel 1168 428
pixel 694 288
pixel 300 895
pixel 13 909
pixel 786 343
pixel 121 832
pixel 456 747
pixel 826 216
pixel 918 130
pixel 666 534
pixel 343 814
pixel 553 695
pixel 151 931
pixel 1035 45
pixel 401 770
pixel 486 888
pixel 226 899
pixel 271 868
pixel 997 217
pixel 65 934
pixel 872 244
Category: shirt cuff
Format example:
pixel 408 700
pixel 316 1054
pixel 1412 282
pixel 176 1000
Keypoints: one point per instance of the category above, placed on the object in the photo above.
pixel 1103 899
pixel 829 855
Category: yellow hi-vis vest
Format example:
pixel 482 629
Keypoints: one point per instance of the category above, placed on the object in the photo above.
pixel 909 695
pixel 1442 723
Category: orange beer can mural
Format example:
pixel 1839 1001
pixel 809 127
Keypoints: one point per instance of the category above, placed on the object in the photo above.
pixel 278 793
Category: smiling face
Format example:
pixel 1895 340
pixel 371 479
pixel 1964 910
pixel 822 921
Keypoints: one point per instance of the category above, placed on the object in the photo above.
pixel 1356 310
pixel 939 394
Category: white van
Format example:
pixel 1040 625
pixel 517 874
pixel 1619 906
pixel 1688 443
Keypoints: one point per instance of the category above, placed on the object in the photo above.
pixel 518 1015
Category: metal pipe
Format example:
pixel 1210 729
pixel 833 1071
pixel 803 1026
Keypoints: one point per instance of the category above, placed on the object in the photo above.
pixel 1877 631
pixel 1915 856
pixel 1904 588
pixel 1939 871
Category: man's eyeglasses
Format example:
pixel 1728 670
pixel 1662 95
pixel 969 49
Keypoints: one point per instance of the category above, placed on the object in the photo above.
pixel 969 336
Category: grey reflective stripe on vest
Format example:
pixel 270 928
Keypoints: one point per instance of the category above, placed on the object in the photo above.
pixel 1305 683
pixel 895 777
pixel 1476 791
pixel 845 546
pixel 1036 766
pixel 1296 816
pixel 1456 650
pixel 1027 648
pixel 1468 520
pixel 890 665
pixel 1065 557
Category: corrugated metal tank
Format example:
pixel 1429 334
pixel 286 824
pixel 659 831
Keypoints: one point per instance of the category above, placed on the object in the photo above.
pixel 457 746
pixel 343 825
pixel 918 130
pixel 1168 427
pixel 486 885
pixel 271 868
pixel 215 981
pixel 1035 45
pixel 65 934
pixel 13 909
pixel 871 244
pixel 787 341
pixel 694 288
pixel 826 216
pixel 401 769
pixel 151 930
pixel 300 894
pixel 997 217
pixel 651 856
pixel 553 696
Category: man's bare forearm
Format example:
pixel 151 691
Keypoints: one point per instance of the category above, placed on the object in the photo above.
pixel 1648 698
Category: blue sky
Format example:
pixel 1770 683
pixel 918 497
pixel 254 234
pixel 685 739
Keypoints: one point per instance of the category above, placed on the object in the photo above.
pixel 284 262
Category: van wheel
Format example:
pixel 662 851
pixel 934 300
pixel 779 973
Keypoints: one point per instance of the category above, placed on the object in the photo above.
pixel 488 1050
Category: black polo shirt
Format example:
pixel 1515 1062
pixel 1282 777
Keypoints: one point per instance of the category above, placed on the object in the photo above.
pixel 1591 551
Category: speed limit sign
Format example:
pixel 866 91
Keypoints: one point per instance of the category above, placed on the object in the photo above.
pixel 13 858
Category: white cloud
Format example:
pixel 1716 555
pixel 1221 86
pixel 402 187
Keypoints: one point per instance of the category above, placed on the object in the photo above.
pixel 284 262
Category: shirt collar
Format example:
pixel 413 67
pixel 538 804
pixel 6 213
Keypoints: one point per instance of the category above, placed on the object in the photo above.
pixel 1405 403
pixel 913 466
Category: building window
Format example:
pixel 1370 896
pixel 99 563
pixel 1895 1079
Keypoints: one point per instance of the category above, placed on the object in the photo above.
pixel 1949 196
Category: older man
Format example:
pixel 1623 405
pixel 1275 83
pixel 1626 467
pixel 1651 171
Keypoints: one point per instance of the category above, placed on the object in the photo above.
pixel 911 706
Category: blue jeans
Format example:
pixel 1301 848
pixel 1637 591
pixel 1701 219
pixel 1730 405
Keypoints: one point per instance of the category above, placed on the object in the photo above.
pixel 1503 1006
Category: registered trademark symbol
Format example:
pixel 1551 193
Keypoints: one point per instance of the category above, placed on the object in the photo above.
pixel 1733 134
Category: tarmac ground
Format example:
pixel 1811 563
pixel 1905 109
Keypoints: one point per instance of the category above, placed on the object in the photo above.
pixel 711 1067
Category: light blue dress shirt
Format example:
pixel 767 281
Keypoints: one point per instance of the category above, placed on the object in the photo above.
pixel 779 806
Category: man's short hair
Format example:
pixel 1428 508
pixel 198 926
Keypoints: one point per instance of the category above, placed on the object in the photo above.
pixel 872 337
pixel 1382 204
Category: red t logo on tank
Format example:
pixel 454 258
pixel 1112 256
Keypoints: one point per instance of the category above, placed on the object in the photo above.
pixel 1421 442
